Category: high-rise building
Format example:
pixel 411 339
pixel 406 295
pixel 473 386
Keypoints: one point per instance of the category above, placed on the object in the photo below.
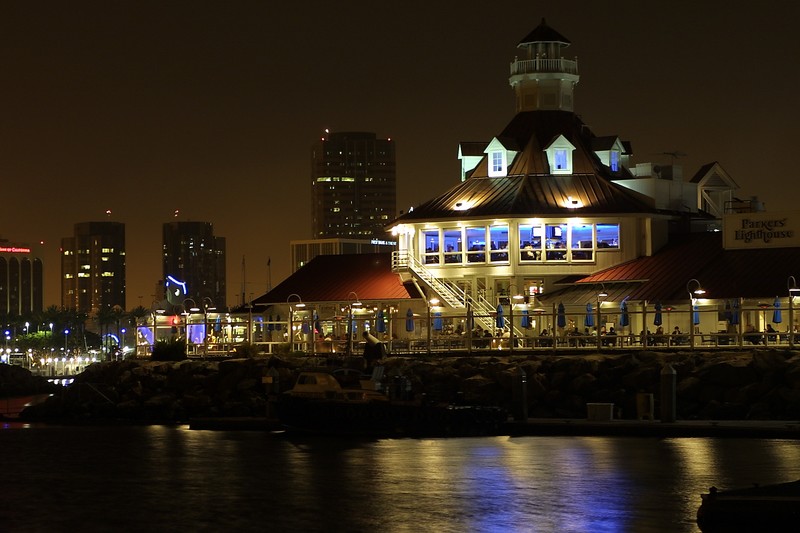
pixel 93 267
pixel 353 184
pixel 20 279
pixel 194 264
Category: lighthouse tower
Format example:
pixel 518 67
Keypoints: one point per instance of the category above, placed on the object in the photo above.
pixel 542 79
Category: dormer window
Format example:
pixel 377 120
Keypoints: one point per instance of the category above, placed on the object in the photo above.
pixel 498 157
pixel 559 155
pixel 497 163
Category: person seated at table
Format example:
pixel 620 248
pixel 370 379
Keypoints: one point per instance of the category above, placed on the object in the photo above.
pixel 751 335
pixel 611 333
pixel 772 335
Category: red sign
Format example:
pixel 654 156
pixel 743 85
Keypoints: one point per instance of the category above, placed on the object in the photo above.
pixel 15 250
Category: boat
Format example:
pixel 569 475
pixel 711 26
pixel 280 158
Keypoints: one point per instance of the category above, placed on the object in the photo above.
pixel 773 507
pixel 319 404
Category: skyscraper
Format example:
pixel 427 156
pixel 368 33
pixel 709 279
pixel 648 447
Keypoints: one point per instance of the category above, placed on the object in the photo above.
pixel 194 262
pixel 93 267
pixel 20 279
pixel 353 186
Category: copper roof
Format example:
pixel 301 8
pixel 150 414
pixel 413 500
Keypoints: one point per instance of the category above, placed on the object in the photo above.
pixel 530 189
pixel 333 278
pixel 724 274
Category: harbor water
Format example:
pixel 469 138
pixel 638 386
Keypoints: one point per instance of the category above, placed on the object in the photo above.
pixel 157 478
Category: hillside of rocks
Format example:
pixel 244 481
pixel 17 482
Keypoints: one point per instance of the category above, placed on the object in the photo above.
pixel 757 385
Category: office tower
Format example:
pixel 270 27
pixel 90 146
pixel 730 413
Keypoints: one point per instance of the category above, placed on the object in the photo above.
pixel 194 264
pixel 353 186
pixel 93 267
pixel 20 280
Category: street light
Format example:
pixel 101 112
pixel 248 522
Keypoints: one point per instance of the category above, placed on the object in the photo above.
pixel 601 296
pixel 353 303
pixel 298 305
pixel 208 305
pixel 693 294
pixel 791 285
pixel 187 311
pixel 516 298
pixel 66 336
pixel 433 302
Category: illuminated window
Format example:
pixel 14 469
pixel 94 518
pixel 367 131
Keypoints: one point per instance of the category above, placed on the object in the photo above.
pixel 561 159
pixel 431 243
pixel 453 249
pixel 497 162
pixel 582 242
pixel 498 236
pixel 530 242
pixel 607 236
pixel 614 161
pixel 476 244
pixel 559 155
pixel 556 242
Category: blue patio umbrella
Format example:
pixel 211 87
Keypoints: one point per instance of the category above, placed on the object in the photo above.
pixel 624 317
pixel 776 314
pixel 500 320
pixel 409 320
pixel 735 313
pixel 561 319
pixel 304 327
pixel 589 320
pixel 695 315
pixel 380 322
pixel 317 324
pixel 437 321
pixel 657 319
pixel 525 321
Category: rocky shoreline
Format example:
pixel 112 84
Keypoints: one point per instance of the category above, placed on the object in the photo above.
pixel 752 385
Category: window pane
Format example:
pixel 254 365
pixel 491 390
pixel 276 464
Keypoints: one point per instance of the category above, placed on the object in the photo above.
pixel 452 246
pixel 556 242
pixel 499 242
pixel 607 236
pixel 476 244
pixel 582 242
pixel 530 242
pixel 431 237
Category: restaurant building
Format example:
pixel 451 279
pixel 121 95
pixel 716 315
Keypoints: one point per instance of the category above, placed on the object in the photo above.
pixel 554 237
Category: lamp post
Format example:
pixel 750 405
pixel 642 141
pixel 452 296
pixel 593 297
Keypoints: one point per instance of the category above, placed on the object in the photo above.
pixel 66 336
pixel 433 302
pixel 516 298
pixel 693 294
pixel 791 285
pixel 601 296
pixel 349 328
pixel 208 305
pixel 298 305
pixel 187 311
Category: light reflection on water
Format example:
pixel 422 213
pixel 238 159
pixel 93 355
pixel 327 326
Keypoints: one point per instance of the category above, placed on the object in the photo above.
pixel 167 478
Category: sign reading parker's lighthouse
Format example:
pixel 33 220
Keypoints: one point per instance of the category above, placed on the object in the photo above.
pixel 761 230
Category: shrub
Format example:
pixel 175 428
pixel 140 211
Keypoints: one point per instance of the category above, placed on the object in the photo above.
pixel 171 350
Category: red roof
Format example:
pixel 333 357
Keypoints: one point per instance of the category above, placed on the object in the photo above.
pixel 333 278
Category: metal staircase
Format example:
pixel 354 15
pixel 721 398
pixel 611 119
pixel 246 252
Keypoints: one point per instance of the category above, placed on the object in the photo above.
pixel 447 291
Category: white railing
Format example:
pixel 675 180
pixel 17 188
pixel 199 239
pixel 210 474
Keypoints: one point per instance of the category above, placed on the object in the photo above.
pixel 532 66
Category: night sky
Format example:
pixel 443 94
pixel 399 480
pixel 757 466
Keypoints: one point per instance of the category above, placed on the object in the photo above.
pixel 210 108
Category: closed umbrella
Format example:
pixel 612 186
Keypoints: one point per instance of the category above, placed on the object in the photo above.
pixel 380 322
pixel 500 321
pixel 589 320
pixel 409 320
pixel 561 319
pixel 657 319
pixel 525 321
pixel 437 321
pixel 624 318
pixel 305 327
pixel 735 313
pixel 695 315
pixel 776 314
pixel 317 324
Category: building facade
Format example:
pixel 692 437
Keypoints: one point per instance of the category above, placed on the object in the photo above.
pixel 193 264
pixel 93 267
pixel 353 186
pixel 21 274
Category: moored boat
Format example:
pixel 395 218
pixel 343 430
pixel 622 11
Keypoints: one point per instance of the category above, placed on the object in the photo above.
pixel 757 508
pixel 319 404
